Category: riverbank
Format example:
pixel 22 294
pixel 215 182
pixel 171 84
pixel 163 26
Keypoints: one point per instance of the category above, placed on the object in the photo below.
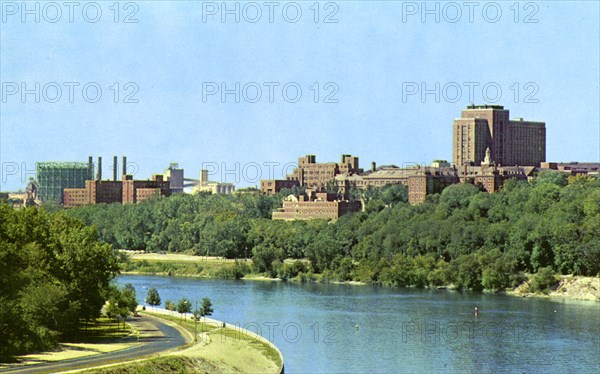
pixel 569 287
pixel 217 347
pixel 173 264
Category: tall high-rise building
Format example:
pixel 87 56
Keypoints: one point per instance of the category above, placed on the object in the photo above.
pixel 528 142
pixel 483 127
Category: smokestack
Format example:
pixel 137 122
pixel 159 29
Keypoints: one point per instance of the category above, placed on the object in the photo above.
pixel 124 166
pixel 99 173
pixel 115 168
pixel 90 168
pixel 373 166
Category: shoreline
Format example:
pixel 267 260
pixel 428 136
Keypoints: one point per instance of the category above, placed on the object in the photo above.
pixel 562 291
pixel 568 287
pixel 202 355
pixel 190 349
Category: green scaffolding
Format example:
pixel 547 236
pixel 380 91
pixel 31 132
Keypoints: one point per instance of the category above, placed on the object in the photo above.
pixel 53 177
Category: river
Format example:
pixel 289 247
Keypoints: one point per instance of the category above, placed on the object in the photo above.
pixel 363 329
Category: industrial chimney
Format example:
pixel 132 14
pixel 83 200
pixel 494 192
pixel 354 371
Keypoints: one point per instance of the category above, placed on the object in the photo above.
pixel 373 166
pixel 124 166
pixel 99 173
pixel 90 168
pixel 115 166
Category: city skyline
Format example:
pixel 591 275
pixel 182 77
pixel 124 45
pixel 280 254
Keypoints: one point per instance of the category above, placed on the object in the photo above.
pixel 252 173
pixel 379 61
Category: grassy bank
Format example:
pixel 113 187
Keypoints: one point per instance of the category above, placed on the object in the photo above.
pixel 160 365
pixel 229 345
pixel 183 265
pixel 218 349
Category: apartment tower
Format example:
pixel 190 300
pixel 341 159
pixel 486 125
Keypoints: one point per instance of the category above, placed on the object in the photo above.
pixel 511 142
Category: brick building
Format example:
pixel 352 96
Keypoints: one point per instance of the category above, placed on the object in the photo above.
pixel 378 178
pixel 573 168
pixel 273 186
pixel 429 181
pixel 135 191
pixel 511 142
pixel 125 191
pixel 94 192
pixel 73 197
pixel 311 174
pixel 315 205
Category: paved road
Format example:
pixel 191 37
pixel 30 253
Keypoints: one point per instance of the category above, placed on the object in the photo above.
pixel 161 337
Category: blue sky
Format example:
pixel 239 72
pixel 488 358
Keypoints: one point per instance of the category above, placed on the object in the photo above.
pixel 367 61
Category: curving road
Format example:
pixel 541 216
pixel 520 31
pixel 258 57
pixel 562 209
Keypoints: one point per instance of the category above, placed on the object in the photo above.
pixel 162 337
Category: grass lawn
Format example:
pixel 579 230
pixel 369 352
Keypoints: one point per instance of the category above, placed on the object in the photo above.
pixel 178 264
pixel 227 349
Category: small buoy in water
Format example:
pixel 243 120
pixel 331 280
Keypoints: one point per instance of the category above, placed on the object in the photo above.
pixel 356 327
pixel 476 311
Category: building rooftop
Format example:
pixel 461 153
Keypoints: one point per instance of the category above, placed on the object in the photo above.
pixel 473 106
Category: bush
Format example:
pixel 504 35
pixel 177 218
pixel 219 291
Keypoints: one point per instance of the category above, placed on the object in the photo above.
pixel 468 272
pixel 517 278
pixel 543 280
pixel 441 275
pixel 494 280
pixel 306 277
pixel 344 270
pixel 237 271
pixel 291 270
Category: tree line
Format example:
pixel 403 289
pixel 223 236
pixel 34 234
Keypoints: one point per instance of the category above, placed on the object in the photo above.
pixel 463 236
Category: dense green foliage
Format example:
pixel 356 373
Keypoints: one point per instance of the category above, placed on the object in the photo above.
pixel 54 274
pixel 121 302
pixel 205 309
pixel 464 237
pixel 543 280
pixel 153 298
pixel 170 305
pixel 184 306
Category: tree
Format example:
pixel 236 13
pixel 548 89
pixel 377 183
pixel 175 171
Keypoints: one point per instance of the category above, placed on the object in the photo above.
pixel 184 306
pixel 394 194
pixel 456 197
pixel 206 308
pixel 153 298
pixel 170 306
pixel 128 298
pixel 120 303
pixel 54 275
pixel 543 280
pixel 551 177
pixel 263 256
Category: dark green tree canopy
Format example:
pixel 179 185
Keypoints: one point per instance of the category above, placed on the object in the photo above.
pixel 54 273
pixel 153 298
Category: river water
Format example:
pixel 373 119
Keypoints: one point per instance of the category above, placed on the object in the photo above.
pixel 332 328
